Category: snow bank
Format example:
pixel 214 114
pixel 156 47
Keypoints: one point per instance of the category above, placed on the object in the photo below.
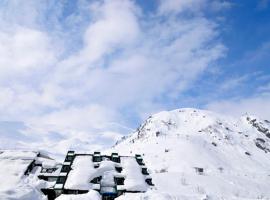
pixel 13 165
pixel 149 195
pixel 91 195
pixel 13 183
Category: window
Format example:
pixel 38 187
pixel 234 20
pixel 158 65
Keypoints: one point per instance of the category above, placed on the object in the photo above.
pixel 149 181
pixel 65 168
pixel 69 158
pixel 61 179
pixel 119 180
pixel 48 170
pixel 144 171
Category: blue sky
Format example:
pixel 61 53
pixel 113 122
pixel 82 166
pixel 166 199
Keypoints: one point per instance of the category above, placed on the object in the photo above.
pixel 97 69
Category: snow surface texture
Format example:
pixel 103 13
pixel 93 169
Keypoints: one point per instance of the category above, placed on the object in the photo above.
pixel 83 172
pixel 91 195
pixel 197 154
pixel 135 180
pixel 14 184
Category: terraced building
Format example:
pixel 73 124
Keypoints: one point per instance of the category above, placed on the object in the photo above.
pixel 110 175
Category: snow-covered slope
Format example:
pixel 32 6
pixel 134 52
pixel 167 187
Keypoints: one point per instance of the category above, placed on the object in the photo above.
pixel 18 174
pixel 197 154
pixel 190 154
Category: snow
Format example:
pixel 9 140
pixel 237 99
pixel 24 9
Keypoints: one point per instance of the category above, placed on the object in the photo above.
pixel 13 183
pixel 108 179
pixel 81 174
pixel 107 189
pixel 63 174
pixel 96 186
pixel 58 186
pixel 13 154
pixel 157 195
pixel 107 184
pixel 91 195
pixel 106 165
pixel 135 180
pixel 174 143
pixel 13 165
pixel 12 171
pixel 46 163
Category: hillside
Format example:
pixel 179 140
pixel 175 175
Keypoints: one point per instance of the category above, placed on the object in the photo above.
pixel 190 154
pixel 197 154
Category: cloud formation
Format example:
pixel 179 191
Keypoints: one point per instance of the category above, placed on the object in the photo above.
pixel 100 62
pixel 257 105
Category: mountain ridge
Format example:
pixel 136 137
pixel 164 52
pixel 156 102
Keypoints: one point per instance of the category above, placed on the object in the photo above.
pixel 228 150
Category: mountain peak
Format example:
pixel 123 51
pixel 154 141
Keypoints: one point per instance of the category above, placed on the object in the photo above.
pixel 180 121
pixel 227 150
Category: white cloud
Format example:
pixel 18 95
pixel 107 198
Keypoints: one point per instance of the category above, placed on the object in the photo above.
pixel 178 6
pixel 221 5
pixel 115 26
pixel 82 118
pixel 264 88
pixel 151 67
pixel 195 6
pixel 233 83
pixel 24 49
pixel 150 60
pixel 259 105
pixel 125 63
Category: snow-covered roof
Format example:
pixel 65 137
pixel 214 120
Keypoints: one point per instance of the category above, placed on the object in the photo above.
pixel 11 172
pixel 83 171
pixel 13 183
pixel 135 180
pixel 81 174
pixel 13 166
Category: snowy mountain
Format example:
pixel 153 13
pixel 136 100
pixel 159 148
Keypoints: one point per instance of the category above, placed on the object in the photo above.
pixel 190 154
pixel 197 154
